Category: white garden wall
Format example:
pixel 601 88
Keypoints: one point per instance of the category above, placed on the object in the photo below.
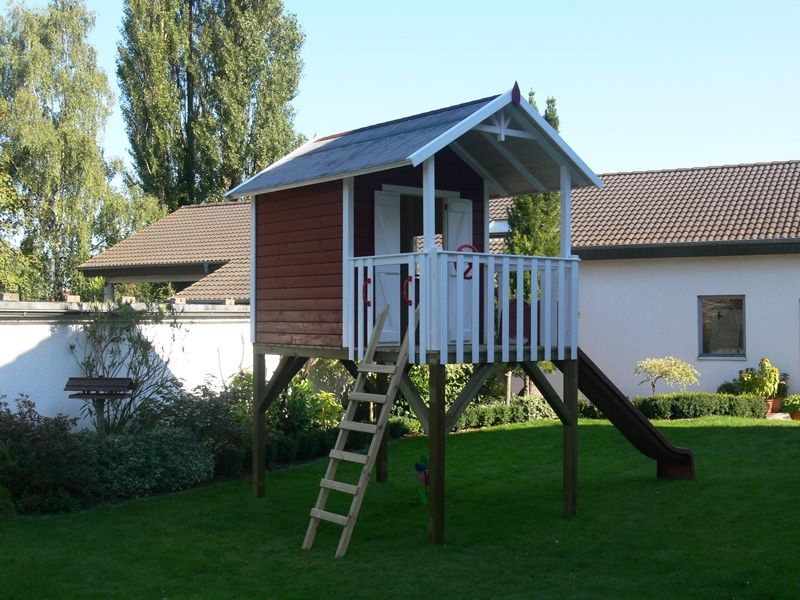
pixel 634 309
pixel 211 343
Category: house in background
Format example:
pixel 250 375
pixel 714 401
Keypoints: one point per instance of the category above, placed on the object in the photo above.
pixel 203 250
pixel 702 264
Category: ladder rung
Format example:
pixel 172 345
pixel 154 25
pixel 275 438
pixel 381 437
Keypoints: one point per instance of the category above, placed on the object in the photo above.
pixel 339 486
pixel 349 456
pixel 367 397
pixel 358 426
pixel 316 513
pixel 375 368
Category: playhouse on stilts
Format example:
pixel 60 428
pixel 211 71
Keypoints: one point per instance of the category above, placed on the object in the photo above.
pixel 372 247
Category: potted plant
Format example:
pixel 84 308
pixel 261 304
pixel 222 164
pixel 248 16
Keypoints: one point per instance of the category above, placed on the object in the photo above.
pixel 762 382
pixel 791 404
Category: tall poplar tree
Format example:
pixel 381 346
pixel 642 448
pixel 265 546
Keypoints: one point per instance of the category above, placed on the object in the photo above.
pixel 206 90
pixel 534 220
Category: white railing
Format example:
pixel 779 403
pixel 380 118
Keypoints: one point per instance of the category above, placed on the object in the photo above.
pixel 469 311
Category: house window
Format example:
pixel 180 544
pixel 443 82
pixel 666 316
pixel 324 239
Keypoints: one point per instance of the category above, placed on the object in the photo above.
pixel 721 326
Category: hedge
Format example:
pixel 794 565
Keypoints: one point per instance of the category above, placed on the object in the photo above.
pixel 690 405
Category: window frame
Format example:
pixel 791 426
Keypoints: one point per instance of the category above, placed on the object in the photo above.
pixel 720 356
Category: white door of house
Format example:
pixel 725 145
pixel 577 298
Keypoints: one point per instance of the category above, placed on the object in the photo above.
pixel 387 278
pixel 458 231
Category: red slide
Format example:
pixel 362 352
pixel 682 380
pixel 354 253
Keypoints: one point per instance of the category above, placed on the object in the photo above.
pixel 673 462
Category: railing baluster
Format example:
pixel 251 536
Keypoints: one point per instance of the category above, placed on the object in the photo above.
pixel 424 299
pixel 349 308
pixel 442 273
pixel 520 312
pixel 476 304
pixel 459 324
pixel 410 286
pixel 360 273
pixel 547 317
pixel 504 306
pixel 573 310
pixel 534 310
pixel 490 310
pixel 373 300
pixel 561 305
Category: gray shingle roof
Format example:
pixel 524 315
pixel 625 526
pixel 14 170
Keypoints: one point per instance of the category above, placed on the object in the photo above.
pixel 368 148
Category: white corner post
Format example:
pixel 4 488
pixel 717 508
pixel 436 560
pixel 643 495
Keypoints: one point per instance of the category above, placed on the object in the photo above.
pixel 429 203
pixel 348 222
pixel 253 270
pixel 566 212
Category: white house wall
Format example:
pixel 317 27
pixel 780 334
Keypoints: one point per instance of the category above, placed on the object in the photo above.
pixel 211 344
pixel 635 309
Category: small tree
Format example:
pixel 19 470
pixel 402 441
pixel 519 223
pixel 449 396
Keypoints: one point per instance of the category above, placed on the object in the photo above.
pixel 670 369
pixel 114 344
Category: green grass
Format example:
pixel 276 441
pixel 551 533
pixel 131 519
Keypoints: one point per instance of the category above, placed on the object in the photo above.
pixel 732 533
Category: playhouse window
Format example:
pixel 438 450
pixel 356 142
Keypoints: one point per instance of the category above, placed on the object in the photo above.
pixel 721 326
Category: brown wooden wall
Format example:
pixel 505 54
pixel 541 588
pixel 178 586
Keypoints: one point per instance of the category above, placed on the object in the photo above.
pixel 452 174
pixel 299 266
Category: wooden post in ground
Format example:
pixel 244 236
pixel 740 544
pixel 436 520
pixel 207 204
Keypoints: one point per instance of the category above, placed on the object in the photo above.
pixel 570 371
pixel 259 427
pixel 382 459
pixel 436 440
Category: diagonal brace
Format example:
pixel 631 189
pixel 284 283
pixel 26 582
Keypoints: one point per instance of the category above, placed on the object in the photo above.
pixel 471 389
pixel 287 368
pixel 550 395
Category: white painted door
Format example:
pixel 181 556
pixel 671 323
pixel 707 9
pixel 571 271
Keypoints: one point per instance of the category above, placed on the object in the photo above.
pixel 458 231
pixel 387 278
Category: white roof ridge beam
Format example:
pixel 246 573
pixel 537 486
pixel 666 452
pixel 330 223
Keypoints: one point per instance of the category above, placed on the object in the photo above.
pixel 494 130
pixel 460 128
pixel 478 168
pixel 514 161
pixel 234 194
pixel 564 149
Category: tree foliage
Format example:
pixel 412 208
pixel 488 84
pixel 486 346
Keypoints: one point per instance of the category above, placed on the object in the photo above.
pixel 534 219
pixel 206 86
pixel 58 203
pixel 669 369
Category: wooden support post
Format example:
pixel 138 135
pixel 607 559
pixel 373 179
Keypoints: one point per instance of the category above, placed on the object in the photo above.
pixel 259 427
pixel 436 440
pixel 570 370
pixel 265 394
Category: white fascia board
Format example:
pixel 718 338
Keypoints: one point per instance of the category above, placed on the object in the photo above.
pixel 334 177
pixel 233 194
pixel 552 136
pixel 460 128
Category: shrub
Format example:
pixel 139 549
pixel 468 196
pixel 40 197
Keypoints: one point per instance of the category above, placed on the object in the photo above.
pixel 791 403
pixel 762 381
pixel 6 501
pixel 48 466
pixel 587 410
pixel 669 369
pixel 219 419
pixel 700 404
pixel 402 426
pixel 161 460
pixel 526 408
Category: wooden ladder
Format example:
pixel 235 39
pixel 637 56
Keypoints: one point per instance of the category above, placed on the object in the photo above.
pixel 348 424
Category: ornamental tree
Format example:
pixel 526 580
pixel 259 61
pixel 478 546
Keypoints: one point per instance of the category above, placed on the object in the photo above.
pixel 669 369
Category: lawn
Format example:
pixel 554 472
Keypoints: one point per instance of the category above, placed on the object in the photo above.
pixel 732 533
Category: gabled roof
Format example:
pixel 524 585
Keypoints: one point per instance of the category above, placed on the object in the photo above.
pixel 192 241
pixel 519 164
pixel 199 233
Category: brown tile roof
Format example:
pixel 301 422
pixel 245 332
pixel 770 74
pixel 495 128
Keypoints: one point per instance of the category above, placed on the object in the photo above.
pixel 701 205
pixel 732 203
pixel 200 233
pixel 230 281
pixel 499 207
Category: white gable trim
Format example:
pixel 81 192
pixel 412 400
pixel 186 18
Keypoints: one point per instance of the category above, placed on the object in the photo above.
pixel 459 129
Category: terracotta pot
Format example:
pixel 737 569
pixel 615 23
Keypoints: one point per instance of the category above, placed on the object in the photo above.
pixel 795 416
pixel 773 405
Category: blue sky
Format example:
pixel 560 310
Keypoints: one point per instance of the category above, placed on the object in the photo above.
pixel 640 85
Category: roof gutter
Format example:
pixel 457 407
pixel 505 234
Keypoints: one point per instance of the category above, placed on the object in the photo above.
pixel 689 249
